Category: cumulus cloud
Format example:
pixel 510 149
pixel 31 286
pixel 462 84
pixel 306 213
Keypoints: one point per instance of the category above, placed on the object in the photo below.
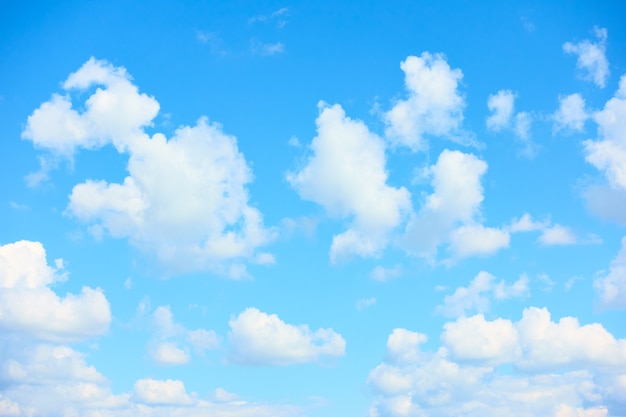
pixel 153 391
pixel 608 152
pixel 611 285
pixel 171 341
pixel 185 199
pixel 557 235
pixel 476 297
pixel 257 338
pixel 503 117
pixel 571 113
pixel 434 106
pixel 451 212
pixel 591 62
pixel 558 368
pixel 347 175
pixel 25 279
pixel 382 274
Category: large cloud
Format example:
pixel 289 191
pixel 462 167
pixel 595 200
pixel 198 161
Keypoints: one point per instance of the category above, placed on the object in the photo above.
pixel 434 106
pixel 258 338
pixel 184 200
pixel 591 62
pixel 347 176
pixel 558 369
pixel 25 279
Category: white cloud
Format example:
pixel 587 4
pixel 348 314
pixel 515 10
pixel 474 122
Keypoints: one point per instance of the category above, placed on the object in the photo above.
pixel 608 153
pixel 184 200
pixel 503 117
pixel 266 49
pixel 477 240
pixel 347 176
pixel 382 274
pixel 592 62
pixel 153 391
pixel 452 211
pixel 571 113
pixel 611 286
pixel 222 395
pixel 475 338
pixel 526 224
pixel 171 341
pixel 502 105
pixel 257 338
pixel 167 353
pixel 434 106
pixel 557 235
pixel 554 368
pixel 25 278
pixel 476 296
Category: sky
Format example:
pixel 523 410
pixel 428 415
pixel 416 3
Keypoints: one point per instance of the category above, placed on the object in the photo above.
pixel 321 209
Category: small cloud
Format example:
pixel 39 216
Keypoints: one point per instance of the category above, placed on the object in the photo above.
pixel 265 259
pixel 557 235
pixel 364 303
pixel 591 63
pixel 18 206
pixel 128 284
pixel 277 16
pixel 295 142
pixel 383 274
pixel 222 396
pixel 547 283
pixel 211 39
pixel 266 49
pixel 528 25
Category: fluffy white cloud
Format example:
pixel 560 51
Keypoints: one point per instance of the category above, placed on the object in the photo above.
pixel 526 224
pixel 257 338
pixel 557 235
pixel 477 240
pixel 24 282
pixel 184 200
pixel 171 341
pixel 566 369
pixel 606 202
pixel 611 286
pixel 592 62
pixel 451 213
pixel 502 105
pixel 608 153
pixel 571 113
pixel 153 391
pixel 476 296
pixel 346 174
pixel 475 338
pixel 434 106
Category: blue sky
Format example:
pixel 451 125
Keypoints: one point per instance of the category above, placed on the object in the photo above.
pixel 295 209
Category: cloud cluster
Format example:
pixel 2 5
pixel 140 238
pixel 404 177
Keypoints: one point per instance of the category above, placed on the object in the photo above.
pixel 560 368
pixel 185 199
